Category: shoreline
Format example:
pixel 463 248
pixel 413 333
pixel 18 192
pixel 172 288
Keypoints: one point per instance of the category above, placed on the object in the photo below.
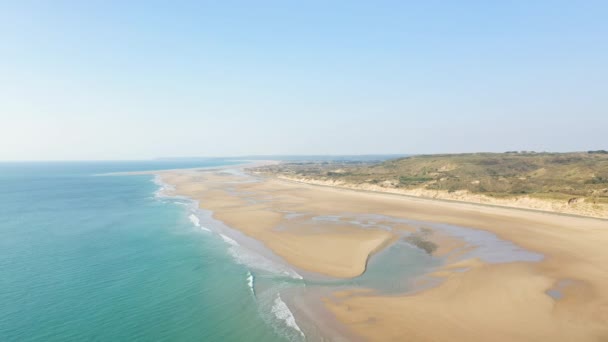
pixel 205 220
pixel 241 164
pixel 240 247
pixel 284 244
pixel 260 209
pixel 323 283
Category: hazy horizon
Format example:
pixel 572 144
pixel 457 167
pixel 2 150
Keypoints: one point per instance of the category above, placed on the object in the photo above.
pixel 116 81
pixel 279 157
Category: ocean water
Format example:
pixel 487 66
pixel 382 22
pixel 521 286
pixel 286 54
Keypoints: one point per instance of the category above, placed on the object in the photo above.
pixel 90 255
pixel 102 258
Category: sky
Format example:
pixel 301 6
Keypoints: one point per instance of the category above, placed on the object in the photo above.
pixel 100 80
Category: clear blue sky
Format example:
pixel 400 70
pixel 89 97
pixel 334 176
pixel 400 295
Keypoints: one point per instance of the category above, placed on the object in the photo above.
pixel 110 80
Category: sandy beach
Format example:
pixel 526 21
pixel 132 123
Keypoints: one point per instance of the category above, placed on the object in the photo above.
pixel 318 229
pixel 261 210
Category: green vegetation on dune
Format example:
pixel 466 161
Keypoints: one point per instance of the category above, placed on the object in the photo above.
pixel 576 174
pixel 561 176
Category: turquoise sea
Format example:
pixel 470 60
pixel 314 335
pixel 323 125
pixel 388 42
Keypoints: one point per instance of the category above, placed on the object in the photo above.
pixel 87 254
pixel 101 258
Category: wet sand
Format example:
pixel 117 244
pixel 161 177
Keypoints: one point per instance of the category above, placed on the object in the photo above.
pixel 261 210
pixel 478 299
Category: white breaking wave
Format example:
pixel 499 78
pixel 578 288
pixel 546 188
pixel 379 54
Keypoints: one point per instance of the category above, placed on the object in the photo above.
pixel 229 240
pixel 250 282
pixel 195 220
pixel 292 274
pixel 282 312
pixel 253 260
pixel 163 187
pixel 242 254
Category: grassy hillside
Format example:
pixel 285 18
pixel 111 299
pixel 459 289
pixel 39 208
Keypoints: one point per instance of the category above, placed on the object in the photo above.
pixel 563 176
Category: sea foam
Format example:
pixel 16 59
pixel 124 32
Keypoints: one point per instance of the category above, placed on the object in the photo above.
pixel 163 188
pixel 228 240
pixel 254 260
pixel 282 312
pixel 250 282
pixel 241 254
pixel 195 220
